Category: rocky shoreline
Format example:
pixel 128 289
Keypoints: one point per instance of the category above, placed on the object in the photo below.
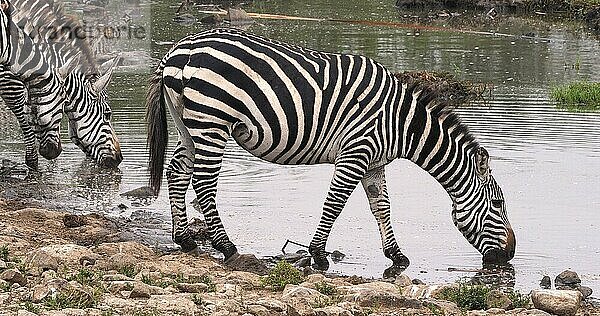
pixel 52 263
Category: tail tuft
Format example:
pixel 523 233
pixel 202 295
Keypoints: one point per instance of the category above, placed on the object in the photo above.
pixel 156 123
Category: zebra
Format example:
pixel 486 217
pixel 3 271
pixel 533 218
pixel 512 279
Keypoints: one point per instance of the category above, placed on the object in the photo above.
pixel 89 114
pixel 291 105
pixel 23 59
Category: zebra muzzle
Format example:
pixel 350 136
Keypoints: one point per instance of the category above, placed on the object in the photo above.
pixel 50 150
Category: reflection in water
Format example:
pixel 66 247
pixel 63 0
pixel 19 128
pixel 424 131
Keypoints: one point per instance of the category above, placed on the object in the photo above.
pixel 497 276
pixel 545 159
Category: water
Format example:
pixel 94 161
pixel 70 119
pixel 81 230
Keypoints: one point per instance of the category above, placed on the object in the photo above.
pixel 546 159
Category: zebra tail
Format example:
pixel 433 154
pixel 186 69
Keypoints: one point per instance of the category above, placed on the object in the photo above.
pixel 156 122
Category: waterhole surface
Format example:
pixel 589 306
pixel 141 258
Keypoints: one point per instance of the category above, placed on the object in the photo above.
pixel 547 160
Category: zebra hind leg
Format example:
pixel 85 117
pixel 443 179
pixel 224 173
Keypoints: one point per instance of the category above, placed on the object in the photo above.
pixel 179 173
pixel 379 202
pixel 209 149
pixel 348 172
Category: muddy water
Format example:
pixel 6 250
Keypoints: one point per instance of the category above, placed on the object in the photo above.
pixel 546 159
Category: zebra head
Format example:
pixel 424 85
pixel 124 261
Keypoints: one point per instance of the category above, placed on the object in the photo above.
pixel 480 213
pixel 90 115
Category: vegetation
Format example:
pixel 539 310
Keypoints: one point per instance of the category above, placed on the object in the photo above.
pixel 578 96
pixel 85 277
pixel 326 288
pixel 473 297
pixel 71 299
pixel 281 275
pixel 127 270
pixel 4 253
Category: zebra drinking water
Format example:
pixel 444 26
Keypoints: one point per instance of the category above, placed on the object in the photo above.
pixel 22 58
pixel 89 115
pixel 290 105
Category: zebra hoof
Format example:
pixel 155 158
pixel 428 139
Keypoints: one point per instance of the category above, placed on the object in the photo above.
pixel 187 245
pixel 320 263
pixel 401 261
pixel 393 271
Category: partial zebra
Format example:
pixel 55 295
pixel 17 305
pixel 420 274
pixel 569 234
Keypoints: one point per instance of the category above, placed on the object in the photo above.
pixel 290 105
pixel 61 39
pixel 23 59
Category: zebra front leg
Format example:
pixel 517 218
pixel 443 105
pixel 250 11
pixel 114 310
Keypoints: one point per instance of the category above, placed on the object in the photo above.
pixel 376 189
pixel 179 174
pixel 348 172
pixel 210 145
pixel 14 95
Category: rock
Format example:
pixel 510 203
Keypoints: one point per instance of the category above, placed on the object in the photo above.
pixel 402 280
pixel 379 294
pixel 246 280
pixel 237 16
pixel 585 291
pixel 23 312
pixel 141 193
pixel 116 277
pixel 567 280
pixel 73 220
pixel 140 290
pixel 559 302
pixel 41 291
pixel 417 282
pixel 525 312
pixel 50 257
pixel 137 250
pixel 191 287
pixel 332 311
pixel 212 19
pixel 497 299
pixel 546 283
pixel 3 265
pixel 13 276
pixel 291 292
pixel 248 263
pixel 445 307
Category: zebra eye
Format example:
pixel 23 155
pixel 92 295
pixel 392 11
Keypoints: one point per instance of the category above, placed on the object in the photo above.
pixel 496 203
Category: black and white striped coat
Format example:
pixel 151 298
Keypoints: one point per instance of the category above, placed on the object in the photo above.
pixel 27 62
pixel 60 39
pixel 291 105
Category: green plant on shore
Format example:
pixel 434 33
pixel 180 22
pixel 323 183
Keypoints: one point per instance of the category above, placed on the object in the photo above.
pixel 473 297
pixel 281 275
pixel 518 300
pixel 128 270
pixel 197 299
pixel 577 96
pixel 4 287
pixel 469 297
pixel 326 288
pixel 4 253
pixel 85 276
pixel 30 307
pixel 71 299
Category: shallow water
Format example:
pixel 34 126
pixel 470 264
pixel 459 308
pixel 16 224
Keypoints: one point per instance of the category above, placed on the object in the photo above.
pixel 546 159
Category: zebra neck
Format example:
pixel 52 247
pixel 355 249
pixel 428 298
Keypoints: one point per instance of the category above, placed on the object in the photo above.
pixel 432 136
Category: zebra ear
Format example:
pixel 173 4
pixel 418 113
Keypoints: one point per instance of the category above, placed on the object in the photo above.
pixel 103 81
pixel 69 66
pixel 482 160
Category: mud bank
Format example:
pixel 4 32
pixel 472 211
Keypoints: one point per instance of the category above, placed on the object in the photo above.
pixel 54 263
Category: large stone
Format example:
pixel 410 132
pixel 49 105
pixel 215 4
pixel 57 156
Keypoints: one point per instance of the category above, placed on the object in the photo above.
pixel 380 294
pixel 191 287
pixel 246 280
pixel 13 276
pixel 567 280
pixel 134 249
pixel 3 264
pixel 292 292
pixel 50 287
pixel 50 257
pixel 140 290
pixel 402 280
pixel 559 302
pixel 445 307
pixel 332 311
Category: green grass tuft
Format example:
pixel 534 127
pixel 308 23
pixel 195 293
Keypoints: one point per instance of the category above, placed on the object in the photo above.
pixel 72 299
pixel 473 297
pixel 4 253
pixel 281 275
pixel 578 96
pixel 326 289
pixel 128 270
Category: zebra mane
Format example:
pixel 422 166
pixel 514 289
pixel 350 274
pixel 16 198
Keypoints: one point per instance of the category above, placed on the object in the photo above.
pixel 434 97
pixel 54 27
